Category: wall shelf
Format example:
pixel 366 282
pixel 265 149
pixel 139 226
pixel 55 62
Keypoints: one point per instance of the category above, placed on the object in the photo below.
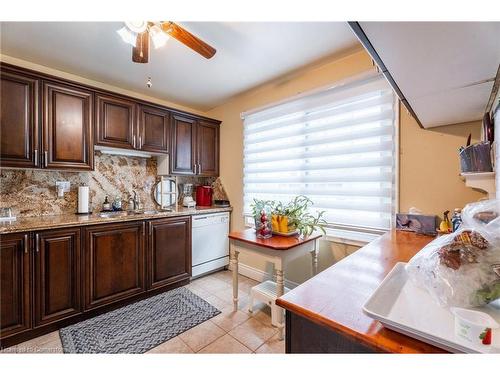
pixel 484 181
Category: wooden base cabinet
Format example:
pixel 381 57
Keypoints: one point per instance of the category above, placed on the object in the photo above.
pixel 169 251
pixel 57 275
pixel 15 270
pixel 114 262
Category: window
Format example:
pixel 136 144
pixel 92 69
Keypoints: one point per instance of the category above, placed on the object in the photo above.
pixel 336 146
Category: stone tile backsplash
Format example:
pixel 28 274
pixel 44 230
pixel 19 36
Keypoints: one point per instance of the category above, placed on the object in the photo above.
pixel 32 192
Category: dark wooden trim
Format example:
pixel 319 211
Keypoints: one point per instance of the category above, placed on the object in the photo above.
pixel 100 90
pixel 356 28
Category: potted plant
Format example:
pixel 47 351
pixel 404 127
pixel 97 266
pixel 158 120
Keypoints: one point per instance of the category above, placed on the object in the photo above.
pixel 291 217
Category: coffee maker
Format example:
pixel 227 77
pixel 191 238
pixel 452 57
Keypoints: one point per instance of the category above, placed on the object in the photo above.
pixel 186 193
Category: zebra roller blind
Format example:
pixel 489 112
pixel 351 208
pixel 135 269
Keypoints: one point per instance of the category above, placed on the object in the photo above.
pixel 336 146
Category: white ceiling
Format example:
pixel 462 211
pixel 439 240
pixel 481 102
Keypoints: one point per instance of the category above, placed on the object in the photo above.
pixel 440 67
pixel 248 54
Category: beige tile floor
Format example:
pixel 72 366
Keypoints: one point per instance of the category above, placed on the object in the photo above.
pixel 228 332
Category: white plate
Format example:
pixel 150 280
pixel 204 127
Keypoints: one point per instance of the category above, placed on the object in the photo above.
pixel 403 307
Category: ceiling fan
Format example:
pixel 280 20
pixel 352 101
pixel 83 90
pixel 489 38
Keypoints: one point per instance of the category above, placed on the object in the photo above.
pixel 138 33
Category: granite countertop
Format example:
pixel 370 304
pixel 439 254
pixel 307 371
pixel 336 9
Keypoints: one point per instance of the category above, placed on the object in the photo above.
pixel 26 224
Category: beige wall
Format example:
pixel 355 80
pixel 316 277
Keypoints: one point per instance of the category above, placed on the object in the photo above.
pixel 428 158
pixel 429 166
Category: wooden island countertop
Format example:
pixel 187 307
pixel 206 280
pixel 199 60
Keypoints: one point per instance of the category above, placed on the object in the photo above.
pixel 335 297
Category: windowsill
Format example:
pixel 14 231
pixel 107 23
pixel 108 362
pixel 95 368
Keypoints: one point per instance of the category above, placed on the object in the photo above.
pixel 349 237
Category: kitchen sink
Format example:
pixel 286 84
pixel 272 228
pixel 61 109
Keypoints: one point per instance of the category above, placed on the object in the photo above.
pixel 112 214
pixel 131 213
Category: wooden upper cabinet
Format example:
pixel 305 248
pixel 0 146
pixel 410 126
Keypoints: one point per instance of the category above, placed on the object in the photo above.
pixel 15 315
pixel 67 127
pixel 169 251
pixel 57 275
pixel 183 134
pixel 115 122
pixel 207 145
pixel 154 129
pixel 19 131
pixel 114 262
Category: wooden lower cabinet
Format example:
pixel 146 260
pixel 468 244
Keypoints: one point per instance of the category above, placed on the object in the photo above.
pixel 57 275
pixel 15 270
pixel 169 251
pixel 114 262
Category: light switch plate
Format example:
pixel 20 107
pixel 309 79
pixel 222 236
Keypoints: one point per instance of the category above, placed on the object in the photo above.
pixel 64 184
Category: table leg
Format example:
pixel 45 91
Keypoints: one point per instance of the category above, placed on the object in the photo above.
pixel 314 256
pixel 280 289
pixel 234 266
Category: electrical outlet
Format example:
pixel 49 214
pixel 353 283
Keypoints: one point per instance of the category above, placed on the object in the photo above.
pixel 65 186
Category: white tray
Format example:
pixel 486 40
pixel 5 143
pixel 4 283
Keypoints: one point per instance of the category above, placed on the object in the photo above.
pixel 401 306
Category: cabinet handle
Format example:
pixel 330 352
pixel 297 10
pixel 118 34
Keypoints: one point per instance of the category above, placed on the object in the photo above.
pixel 36 157
pixel 140 141
pixel 26 244
pixel 134 141
pixel 45 153
pixel 37 243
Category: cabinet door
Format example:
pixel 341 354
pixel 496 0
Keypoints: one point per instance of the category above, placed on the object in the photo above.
pixel 114 262
pixel 57 275
pixel 67 127
pixel 154 125
pixel 183 145
pixel 207 146
pixel 169 251
pixel 15 284
pixel 19 130
pixel 115 122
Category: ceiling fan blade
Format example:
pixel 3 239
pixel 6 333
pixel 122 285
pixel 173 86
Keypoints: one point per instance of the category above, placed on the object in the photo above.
pixel 140 53
pixel 185 37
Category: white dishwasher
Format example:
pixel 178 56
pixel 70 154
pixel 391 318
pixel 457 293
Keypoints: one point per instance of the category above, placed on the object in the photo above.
pixel 209 241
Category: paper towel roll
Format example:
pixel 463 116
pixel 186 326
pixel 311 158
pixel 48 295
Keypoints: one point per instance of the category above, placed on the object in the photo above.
pixel 83 199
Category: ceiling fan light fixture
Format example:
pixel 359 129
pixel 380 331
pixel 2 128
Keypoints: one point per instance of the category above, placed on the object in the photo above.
pixel 158 37
pixel 137 26
pixel 127 36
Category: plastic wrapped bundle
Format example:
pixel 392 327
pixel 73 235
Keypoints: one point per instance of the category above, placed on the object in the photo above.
pixel 463 268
